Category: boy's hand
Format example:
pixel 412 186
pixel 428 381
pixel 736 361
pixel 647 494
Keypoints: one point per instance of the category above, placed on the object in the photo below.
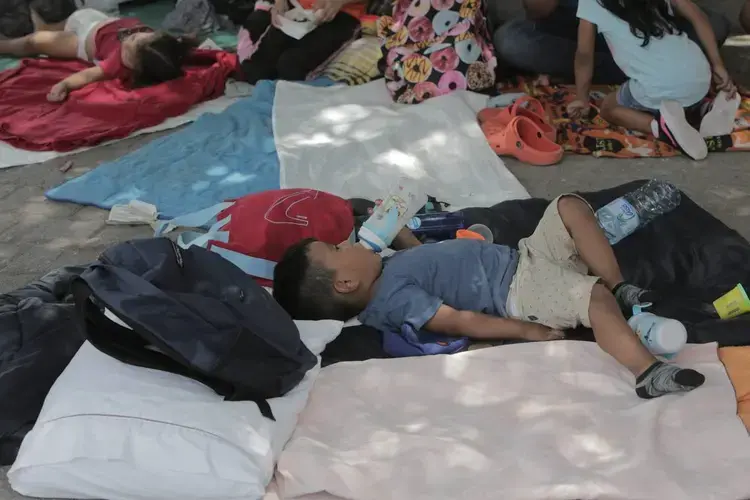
pixel 534 332
pixel 405 239
pixel 722 81
pixel 58 92
pixel 578 108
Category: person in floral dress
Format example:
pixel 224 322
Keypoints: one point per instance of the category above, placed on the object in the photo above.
pixel 435 47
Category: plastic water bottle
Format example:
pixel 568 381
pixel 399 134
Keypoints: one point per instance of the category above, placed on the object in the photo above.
pixel 662 336
pixel 631 212
pixel 437 225
pixel 391 214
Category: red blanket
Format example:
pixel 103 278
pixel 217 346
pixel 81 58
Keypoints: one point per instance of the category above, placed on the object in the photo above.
pixel 101 111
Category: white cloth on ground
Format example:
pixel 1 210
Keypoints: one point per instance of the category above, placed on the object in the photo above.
pixel 355 142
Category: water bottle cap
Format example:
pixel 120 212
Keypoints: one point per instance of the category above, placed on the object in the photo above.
pixel 638 308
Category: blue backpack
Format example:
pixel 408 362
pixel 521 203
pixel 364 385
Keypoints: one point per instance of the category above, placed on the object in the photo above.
pixel 191 312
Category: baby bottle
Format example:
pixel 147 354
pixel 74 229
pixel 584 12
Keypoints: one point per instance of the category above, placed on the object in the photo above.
pixel 396 209
pixel 662 336
pixel 436 226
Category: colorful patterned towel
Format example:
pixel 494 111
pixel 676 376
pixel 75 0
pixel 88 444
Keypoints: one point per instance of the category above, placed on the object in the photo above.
pixel 356 64
pixel 599 138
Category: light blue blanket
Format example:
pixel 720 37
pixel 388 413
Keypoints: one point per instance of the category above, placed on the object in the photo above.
pixel 218 157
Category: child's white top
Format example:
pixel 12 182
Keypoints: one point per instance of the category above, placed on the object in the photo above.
pixel 672 67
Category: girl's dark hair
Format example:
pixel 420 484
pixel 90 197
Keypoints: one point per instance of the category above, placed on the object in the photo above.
pixel 161 59
pixel 647 18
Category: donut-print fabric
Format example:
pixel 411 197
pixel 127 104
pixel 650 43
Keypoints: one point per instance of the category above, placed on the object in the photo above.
pixel 434 47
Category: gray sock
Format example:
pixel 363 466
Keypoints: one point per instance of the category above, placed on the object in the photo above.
pixel 660 379
pixel 627 296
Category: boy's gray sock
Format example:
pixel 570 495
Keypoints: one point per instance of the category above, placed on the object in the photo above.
pixel 627 296
pixel 660 379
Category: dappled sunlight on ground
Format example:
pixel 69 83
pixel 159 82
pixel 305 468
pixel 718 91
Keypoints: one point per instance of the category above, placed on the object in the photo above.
pixel 438 440
pixel 556 420
pixel 38 235
pixel 359 150
pixel 47 235
pixel 344 124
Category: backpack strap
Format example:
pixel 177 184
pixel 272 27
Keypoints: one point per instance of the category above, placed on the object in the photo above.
pixel 187 239
pixel 126 345
pixel 200 218
pixel 254 266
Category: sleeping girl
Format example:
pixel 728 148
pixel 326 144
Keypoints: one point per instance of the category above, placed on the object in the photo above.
pixel 120 48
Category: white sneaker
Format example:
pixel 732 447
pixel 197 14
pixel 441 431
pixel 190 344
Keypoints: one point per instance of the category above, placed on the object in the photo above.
pixel 675 130
pixel 720 118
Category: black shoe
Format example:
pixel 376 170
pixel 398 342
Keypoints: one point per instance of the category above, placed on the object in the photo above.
pixel 675 130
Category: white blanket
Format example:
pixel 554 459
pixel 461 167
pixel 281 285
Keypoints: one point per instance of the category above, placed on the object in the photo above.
pixel 554 420
pixel 354 142
pixel 13 157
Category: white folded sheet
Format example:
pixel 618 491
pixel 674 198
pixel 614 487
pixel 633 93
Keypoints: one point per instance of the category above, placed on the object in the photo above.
pixel 354 142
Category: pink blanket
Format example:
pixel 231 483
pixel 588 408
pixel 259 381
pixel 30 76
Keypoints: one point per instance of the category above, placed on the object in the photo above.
pixel 555 420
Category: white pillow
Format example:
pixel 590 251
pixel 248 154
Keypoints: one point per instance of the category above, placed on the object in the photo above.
pixel 116 431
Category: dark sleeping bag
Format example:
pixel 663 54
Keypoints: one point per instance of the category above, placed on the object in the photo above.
pixel 37 340
pixel 688 255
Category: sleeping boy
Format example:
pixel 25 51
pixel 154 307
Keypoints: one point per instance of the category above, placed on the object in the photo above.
pixel 469 288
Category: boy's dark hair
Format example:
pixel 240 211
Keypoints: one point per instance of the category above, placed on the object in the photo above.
pixel 53 11
pixel 305 289
pixel 647 18
pixel 161 59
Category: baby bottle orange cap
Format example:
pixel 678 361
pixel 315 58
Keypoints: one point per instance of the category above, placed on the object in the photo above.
pixel 465 234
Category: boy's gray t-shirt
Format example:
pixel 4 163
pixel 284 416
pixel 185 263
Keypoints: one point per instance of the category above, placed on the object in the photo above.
pixel 464 274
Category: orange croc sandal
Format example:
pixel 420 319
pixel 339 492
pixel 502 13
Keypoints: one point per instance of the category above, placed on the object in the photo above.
pixel 523 106
pixel 523 139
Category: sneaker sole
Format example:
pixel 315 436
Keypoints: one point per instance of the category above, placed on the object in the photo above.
pixel 689 139
pixel 720 120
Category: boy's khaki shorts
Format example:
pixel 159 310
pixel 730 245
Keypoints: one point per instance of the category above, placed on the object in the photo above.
pixel 551 285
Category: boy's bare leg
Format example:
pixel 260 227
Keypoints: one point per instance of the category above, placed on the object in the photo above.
pixel 591 243
pixel 59 44
pixel 614 335
pixel 596 252
pixel 611 331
